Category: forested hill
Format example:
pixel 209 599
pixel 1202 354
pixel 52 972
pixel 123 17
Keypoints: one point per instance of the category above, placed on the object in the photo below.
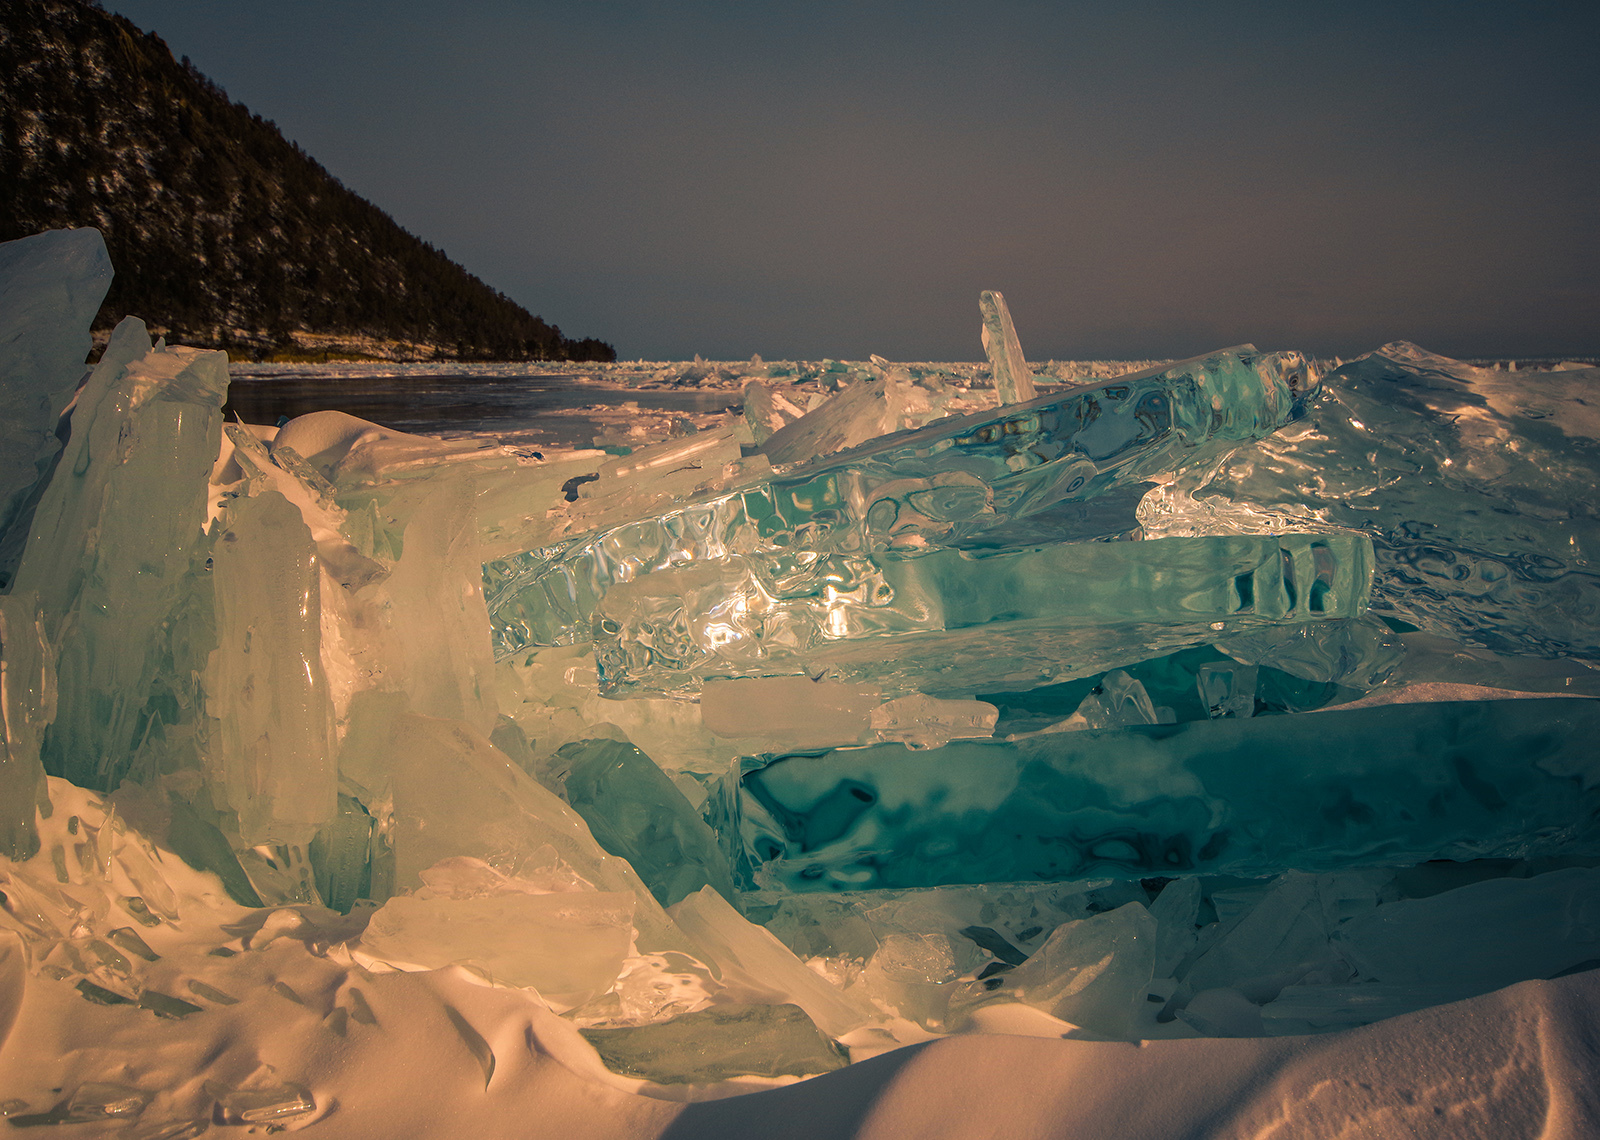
pixel 222 232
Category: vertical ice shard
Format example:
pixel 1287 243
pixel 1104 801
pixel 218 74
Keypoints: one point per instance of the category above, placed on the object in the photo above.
pixel 437 624
pixel 1013 379
pixel 114 541
pixel 51 286
pixel 271 752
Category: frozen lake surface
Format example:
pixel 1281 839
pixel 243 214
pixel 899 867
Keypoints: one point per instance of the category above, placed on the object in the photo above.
pixel 526 404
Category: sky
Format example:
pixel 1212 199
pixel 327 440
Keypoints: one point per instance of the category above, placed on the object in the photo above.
pixel 808 180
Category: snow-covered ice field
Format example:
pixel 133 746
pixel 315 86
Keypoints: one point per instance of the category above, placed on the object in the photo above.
pixel 831 749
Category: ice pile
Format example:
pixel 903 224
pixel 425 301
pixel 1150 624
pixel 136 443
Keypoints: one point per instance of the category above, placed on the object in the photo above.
pixel 1214 698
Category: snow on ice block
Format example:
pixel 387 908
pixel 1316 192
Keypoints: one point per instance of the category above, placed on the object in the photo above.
pixel 946 484
pixel 719 1042
pixel 664 632
pixel 569 946
pixel 1375 786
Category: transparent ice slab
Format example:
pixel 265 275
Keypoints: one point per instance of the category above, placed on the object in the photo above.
pixel 943 485
pixel 271 752
pixel 669 630
pixel 1476 485
pixel 1376 786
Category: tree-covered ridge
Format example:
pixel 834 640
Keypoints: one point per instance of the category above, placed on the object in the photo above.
pixel 221 230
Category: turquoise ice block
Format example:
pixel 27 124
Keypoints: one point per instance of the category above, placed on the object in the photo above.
pixel 964 620
pixel 1391 785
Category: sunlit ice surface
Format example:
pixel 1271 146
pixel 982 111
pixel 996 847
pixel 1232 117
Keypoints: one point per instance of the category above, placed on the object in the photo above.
pixel 784 715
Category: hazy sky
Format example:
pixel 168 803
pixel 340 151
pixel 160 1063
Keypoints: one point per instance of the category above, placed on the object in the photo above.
pixel 804 180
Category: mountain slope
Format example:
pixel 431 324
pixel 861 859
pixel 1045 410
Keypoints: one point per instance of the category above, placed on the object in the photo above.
pixel 222 232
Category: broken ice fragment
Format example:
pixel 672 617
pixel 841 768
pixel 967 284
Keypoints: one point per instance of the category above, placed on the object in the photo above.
pixel 766 411
pixel 1176 911
pixel 165 1005
pixel 1093 972
pixel 127 939
pixel 343 855
pixel 717 1043
pixel 915 973
pixel 1357 652
pixel 1228 689
pixel 100 995
pixel 1276 943
pixel 568 946
pixel 926 722
pixel 863 412
pixel 101 1101
pixel 200 844
pixel 1386 785
pixel 262 1106
pixel 211 993
pixel 1118 701
pixel 1013 380
pixel 634 811
pixel 454 793
pixel 757 960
